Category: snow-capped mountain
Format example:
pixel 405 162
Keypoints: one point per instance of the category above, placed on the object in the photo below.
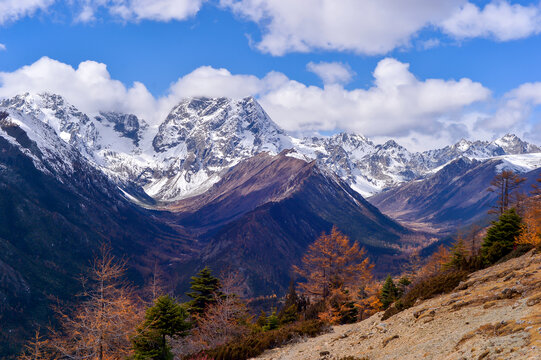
pixel 203 137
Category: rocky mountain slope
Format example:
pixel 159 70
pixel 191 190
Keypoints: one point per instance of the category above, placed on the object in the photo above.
pixel 200 138
pixel 266 210
pixel 55 212
pixel 456 195
pixel 494 314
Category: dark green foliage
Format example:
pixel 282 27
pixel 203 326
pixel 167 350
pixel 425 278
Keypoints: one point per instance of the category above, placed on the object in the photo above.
pixel 164 318
pixel 288 315
pixel 519 250
pixel 501 236
pixel 262 320
pixel 389 292
pixel 254 344
pixel 272 322
pixel 348 313
pixel 437 284
pixel 147 344
pixel 293 306
pixel 459 256
pixel 204 287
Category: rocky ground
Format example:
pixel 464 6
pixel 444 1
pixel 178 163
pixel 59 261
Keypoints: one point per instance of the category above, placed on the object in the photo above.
pixel 494 314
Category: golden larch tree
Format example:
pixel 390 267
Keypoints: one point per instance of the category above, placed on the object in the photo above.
pixel 332 262
pixel 434 263
pixel 531 220
pixel 101 325
pixel 38 348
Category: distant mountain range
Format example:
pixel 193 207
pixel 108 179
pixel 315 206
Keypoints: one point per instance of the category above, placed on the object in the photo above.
pixel 456 195
pixel 202 137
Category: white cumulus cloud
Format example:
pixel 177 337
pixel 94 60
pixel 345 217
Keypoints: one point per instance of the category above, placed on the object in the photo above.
pixel 514 112
pixel 12 10
pixel 396 104
pixel 136 10
pixel 331 72
pixel 499 20
pixel 361 26
pixel 418 112
pixel 89 86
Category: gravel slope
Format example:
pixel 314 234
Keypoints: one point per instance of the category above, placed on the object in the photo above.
pixel 494 314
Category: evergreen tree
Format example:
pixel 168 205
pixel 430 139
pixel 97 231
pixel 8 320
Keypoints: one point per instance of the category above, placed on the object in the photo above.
pixel 348 313
pixel 289 314
pixel 204 289
pixel 293 305
pixel 459 255
pixel 262 320
pixel 389 292
pixel 501 237
pixel 165 318
pixel 272 322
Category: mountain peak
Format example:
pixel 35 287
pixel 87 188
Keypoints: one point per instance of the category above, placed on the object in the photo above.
pixel 513 145
pixel 463 145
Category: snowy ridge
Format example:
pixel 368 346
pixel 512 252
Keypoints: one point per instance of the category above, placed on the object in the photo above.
pixel 202 137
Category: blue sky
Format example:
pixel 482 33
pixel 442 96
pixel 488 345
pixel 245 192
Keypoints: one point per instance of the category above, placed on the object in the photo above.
pixel 494 46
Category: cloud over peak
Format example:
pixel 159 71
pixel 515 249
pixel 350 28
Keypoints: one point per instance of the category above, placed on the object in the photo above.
pixel 398 104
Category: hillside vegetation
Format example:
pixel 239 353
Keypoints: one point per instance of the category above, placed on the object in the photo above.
pixel 494 314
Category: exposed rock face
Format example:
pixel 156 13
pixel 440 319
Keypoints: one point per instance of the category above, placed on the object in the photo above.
pixel 494 314
pixel 201 138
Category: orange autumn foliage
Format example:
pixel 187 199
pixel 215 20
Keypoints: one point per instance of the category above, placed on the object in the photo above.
pixel 331 263
pixel 531 223
pixel 101 325
pixel 435 262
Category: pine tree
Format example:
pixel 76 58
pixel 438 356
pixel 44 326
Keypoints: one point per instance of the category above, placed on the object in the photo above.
pixel 389 292
pixel 165 318
pixel 262 320
pixel 204 290
pixel 288 314
pixel 272 322
pixel 501 236
pixel 459 255
pixel 293 305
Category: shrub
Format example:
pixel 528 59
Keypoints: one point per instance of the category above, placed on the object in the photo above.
pixel 439 284
pixel 254 344
pixel 519 250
